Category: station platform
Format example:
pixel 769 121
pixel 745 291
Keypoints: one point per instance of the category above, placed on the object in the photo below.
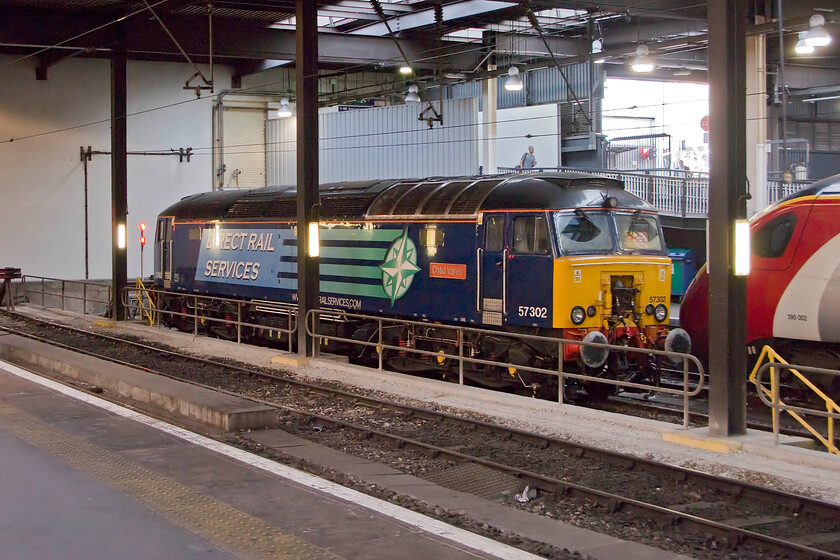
pixel 752 457
pixel 84 478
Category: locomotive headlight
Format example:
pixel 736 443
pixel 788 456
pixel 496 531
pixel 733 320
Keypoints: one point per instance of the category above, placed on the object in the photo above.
pixel 591 311
pixel 660 313
pixel 649 309
pixel 578 315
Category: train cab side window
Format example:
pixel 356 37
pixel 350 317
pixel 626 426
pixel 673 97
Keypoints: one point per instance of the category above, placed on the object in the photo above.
pixel 772 239
pixel 530 235
pixel 160 230
pixel 494 233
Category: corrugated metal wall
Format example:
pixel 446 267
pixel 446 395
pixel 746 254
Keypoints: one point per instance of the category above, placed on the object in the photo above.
pixel 381 143
pixel 545 86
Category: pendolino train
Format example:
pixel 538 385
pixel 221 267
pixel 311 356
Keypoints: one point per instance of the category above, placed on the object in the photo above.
pixel 793 289
pixel 555 254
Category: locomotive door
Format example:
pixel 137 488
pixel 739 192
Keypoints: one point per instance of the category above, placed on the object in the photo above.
pixel 492 255
pixel 164 250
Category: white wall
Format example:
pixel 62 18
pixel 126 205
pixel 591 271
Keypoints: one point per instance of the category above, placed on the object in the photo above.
pixel 513 126
pixel 381 143
pixel 42 191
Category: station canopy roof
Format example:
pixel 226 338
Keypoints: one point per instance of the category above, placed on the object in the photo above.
pixel 443 40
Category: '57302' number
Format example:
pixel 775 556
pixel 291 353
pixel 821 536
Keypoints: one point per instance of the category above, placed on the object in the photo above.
pixel 527 311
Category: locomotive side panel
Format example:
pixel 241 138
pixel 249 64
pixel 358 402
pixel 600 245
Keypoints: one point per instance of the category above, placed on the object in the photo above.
pixel 397 268
pixel 808 307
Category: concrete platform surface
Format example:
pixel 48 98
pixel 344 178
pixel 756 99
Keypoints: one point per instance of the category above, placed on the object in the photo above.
pixel 158 393
pixel 84 478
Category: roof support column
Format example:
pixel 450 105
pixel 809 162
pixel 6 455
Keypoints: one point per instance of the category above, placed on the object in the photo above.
pixel 727 182
pixel 490 102
pixel 119 174
pixel 306 104
pixel 757 119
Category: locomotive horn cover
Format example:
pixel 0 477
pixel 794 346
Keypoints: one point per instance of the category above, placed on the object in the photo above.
pixel 594 356
pixel 678 340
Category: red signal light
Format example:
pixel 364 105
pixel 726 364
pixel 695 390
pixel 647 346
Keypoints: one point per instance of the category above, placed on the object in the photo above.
pixel 644 151
pixel 142 240
pixel 142 227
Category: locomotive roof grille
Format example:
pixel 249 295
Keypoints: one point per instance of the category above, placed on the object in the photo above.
pixel 431 198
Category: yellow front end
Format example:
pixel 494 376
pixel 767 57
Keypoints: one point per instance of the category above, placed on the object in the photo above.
pixel 591 282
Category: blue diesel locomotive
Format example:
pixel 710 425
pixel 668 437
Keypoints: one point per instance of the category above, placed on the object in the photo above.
pixel 565 255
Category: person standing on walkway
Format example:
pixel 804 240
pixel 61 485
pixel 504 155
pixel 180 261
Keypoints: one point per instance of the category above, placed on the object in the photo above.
pixel 528 160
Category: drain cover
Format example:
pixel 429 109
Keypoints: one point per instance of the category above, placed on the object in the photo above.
pixel 475 479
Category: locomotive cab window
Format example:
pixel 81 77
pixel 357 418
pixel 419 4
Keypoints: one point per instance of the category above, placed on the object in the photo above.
pixel 584 232
pixel 773 237
pixel 530 235
pixel 638 232
pixel 494 233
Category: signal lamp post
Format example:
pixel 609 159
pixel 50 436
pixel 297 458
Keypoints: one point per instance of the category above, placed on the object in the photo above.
pixel 142 246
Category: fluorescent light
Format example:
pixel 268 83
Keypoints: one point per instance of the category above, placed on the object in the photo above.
pixel 742 247
pixel 217 234
pixel 826 98
pixel 314 241
pixel 121 236
pixel 405 70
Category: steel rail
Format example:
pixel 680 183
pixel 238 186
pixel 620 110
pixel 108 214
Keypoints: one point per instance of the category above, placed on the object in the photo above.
pixel 614 502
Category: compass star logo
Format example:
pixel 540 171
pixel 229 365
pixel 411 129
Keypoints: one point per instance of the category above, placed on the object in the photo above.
pixel 399 267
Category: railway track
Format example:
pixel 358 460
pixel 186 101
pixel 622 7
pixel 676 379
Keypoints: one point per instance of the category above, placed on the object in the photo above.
pixel 702 510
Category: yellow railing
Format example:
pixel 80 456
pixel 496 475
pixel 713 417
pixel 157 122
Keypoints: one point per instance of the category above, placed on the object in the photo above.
pixel 145 303
pixel 771 356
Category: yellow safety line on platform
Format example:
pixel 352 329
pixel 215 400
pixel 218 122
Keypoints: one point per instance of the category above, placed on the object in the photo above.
pixel 228 528
pixel 772 356
pixel 145 302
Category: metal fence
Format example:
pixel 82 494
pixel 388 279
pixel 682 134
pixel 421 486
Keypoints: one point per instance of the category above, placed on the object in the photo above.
pixel 691 368
pixel 198 313
pixel 777 405
pixel 82 296
pixel 671 191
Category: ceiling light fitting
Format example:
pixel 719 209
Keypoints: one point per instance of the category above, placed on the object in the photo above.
pixel 513 82
pixel 817 36
pixel 405 70
pixel 801 46
pixel 284 111
pixel 412 96
pixel 642 62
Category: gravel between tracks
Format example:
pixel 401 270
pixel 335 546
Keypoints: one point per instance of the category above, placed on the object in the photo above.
pixel 632 436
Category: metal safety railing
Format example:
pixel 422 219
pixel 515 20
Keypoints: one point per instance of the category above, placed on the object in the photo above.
pixel 146 302
pixel 671 191
pixel 769 360
pixel 691 376
pixel 201 312
pixel 63 294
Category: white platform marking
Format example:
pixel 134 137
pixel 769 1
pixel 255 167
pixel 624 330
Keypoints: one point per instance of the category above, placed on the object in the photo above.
pixel 420 521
